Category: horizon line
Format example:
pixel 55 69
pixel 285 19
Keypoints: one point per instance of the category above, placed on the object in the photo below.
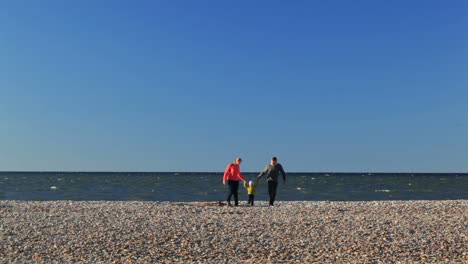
pixel 295 172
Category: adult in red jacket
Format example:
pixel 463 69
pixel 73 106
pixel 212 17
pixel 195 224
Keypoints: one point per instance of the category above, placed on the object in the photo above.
pixel 232 175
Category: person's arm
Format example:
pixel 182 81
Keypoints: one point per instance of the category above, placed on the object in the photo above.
pixel 256 183
pixel 242 177
pixel 265 171
pixel 226 173
pixel 245 185
pixel 282 173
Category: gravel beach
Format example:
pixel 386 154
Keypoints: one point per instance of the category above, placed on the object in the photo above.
pixel 200 232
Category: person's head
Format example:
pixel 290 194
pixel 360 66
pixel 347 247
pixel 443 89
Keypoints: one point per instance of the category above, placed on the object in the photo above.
pixel 238 161
pixel 251 183
pixel 274 160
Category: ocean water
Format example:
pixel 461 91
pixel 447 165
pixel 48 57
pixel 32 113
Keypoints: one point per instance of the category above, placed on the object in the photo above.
pixel 170 186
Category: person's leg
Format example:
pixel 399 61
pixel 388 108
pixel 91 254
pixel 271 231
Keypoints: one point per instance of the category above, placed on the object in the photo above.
pixel 270 191
pixel 252 200
pixel 272 186
pixel 275 187
pixel 231 191
pixel 236 193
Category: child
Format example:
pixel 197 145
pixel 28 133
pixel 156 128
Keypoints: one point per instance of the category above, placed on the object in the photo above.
pixel 251 190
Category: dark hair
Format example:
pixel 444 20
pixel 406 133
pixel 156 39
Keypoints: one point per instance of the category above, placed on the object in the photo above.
pixel 274 159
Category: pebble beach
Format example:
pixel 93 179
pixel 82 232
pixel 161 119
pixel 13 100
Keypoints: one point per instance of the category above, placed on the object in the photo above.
pixel 210 232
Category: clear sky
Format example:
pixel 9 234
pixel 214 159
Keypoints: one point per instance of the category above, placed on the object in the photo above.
pixel 190 85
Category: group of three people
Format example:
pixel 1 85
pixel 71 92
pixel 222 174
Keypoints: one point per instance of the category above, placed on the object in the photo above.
pixel 232 175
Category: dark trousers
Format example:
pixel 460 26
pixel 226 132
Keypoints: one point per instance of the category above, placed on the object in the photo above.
pixel 233 190
pixel 251 199
pixel 272 186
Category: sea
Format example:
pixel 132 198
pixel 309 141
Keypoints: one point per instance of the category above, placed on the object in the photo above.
pixel 207 186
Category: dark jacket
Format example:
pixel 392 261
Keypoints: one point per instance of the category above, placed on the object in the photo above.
pixel 273 172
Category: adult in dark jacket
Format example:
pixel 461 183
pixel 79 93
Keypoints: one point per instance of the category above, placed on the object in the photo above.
pixel 272 171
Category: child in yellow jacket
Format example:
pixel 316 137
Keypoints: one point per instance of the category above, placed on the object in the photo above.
pixel 251 190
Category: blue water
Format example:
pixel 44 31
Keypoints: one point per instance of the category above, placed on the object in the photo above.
pixel 46 186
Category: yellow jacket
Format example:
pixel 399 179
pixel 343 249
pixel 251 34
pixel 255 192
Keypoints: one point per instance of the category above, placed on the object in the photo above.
pixel 251 189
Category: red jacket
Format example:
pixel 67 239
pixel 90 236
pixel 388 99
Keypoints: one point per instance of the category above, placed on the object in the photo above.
pixel 233 173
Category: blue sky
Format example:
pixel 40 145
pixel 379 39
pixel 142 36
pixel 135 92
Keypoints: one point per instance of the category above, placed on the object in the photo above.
pixel 190 85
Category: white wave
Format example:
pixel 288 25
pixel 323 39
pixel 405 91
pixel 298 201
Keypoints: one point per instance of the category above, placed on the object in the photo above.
pixel 382 191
